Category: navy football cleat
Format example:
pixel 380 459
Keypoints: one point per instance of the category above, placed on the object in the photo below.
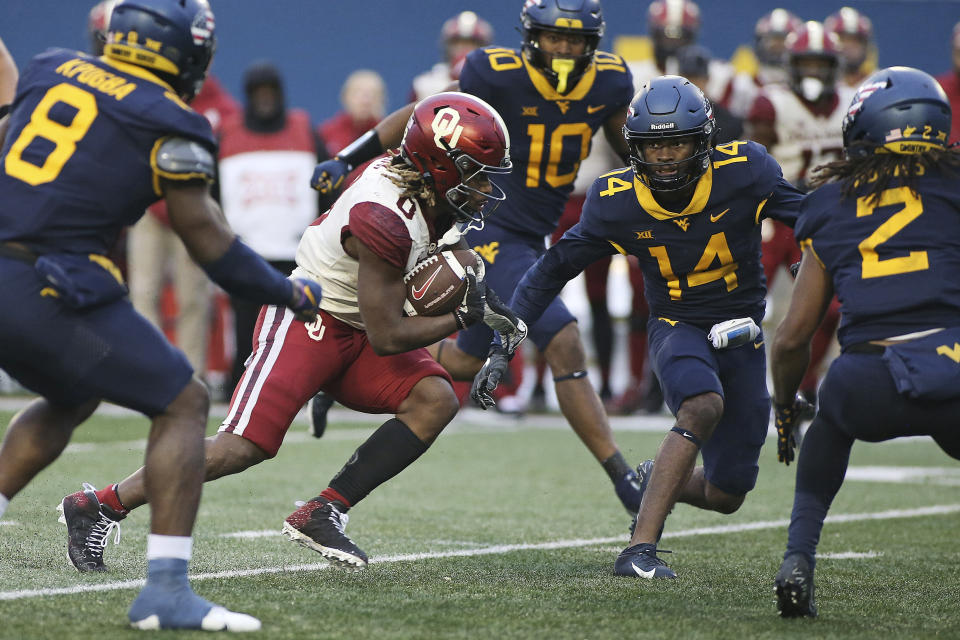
pixel 641 561
pixel 644 470
pixel 629 491
pixel 89 525
pixel 793 587
pixel 319 526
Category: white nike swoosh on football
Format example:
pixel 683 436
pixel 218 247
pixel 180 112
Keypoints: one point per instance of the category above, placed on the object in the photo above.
pixel 643 574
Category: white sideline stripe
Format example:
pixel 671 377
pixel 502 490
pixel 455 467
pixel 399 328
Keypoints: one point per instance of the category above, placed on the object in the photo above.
pixel 486 551
pixel 9 523
pixel 849 555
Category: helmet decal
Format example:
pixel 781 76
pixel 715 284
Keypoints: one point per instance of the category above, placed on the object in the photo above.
pixel 445 124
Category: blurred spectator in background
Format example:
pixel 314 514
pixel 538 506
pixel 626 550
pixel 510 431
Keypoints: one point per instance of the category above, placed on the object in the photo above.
pixel 460 35
pixel 950 81
pixel 801 126
pixel 8 77
pixel 693 63
pixel 364 101
pixel 763 63
pixel 267 155
pixel 97 21
pixel 156 255
pixel 857 47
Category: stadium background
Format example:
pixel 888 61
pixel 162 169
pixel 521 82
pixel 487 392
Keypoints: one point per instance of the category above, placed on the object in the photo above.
pixel 317 43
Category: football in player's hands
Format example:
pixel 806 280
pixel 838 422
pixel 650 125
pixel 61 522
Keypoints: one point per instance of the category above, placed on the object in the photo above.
pixel 436 285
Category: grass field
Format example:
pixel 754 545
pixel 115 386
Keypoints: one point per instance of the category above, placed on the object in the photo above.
pixel 502 530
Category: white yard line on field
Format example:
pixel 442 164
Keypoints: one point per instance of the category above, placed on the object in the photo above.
pixel 491 550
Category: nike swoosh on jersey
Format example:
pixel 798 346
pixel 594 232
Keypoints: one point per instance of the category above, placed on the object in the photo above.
pixel 643 574
pixel 714 218
pixel 418 293
pixel 757 345
pixel 592 109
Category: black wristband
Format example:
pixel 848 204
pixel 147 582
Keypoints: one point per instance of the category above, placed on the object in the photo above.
pixel 366 147
pixel 4 109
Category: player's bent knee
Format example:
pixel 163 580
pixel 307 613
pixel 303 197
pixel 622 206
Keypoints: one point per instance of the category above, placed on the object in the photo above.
pixel 723 502
pixel 192 401
pixel 565 353
pixel 228 453
pixel 432 400
pixel 701 413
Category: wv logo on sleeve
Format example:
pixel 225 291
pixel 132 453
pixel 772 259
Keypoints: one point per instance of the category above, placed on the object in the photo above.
pixel 951 352
pixel 488 251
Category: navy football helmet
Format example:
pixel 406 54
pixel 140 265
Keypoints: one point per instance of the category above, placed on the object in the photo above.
pixel 582 17
pixel 172 38
pixel 897 110
pixel 665 108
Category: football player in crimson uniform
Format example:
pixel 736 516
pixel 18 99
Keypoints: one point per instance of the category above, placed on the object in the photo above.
pixel 361 349
pixel 800 123
pixel 690 212
pixel 554 94
pixel 459 35
pixel 854 31
pixel 88 145
pixel 898 374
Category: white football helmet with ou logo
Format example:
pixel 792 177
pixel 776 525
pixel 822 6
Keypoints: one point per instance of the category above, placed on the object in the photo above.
pixel 456 141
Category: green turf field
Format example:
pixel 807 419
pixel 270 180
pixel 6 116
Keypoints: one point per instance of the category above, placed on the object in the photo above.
pixel 500 531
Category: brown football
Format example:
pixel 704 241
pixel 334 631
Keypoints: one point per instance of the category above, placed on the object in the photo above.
pixel 436 285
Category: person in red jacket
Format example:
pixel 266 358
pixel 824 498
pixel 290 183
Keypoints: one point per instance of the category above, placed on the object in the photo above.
pixel 267 154
pixel 950 81
pixel 364 101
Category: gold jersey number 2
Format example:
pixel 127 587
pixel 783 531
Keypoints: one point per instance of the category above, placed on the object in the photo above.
pixel 64 137
pixel 873 266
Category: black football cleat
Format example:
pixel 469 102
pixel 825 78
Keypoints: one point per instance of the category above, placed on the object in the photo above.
pixel 319 407
pixel 89 525
pixel 319 526
pixel 641 561
pixel 793 587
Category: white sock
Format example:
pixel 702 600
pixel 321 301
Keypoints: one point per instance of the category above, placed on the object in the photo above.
pixel 4 501
pixel 169 547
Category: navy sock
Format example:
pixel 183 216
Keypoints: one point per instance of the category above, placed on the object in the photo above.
pixel 820 470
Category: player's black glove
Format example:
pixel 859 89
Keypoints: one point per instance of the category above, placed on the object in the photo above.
pixel 787 417
pixel 471 310
pixel 504 321
pixel 327 178
pixel 489 377
pixel 795 269
pixel 305 299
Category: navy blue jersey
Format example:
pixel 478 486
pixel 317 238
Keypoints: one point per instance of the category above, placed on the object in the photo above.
pixel 895 264
pixel 700 265
pixel 550 134
pixel 78 163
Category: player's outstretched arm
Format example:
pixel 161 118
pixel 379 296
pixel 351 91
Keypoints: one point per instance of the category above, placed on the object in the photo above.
pixel 198 220
pixel 329 176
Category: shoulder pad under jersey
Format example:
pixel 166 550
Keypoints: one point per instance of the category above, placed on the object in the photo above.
pixel 183 159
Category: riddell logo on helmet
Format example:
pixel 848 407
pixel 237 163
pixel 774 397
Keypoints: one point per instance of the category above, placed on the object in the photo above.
pixel 660 126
